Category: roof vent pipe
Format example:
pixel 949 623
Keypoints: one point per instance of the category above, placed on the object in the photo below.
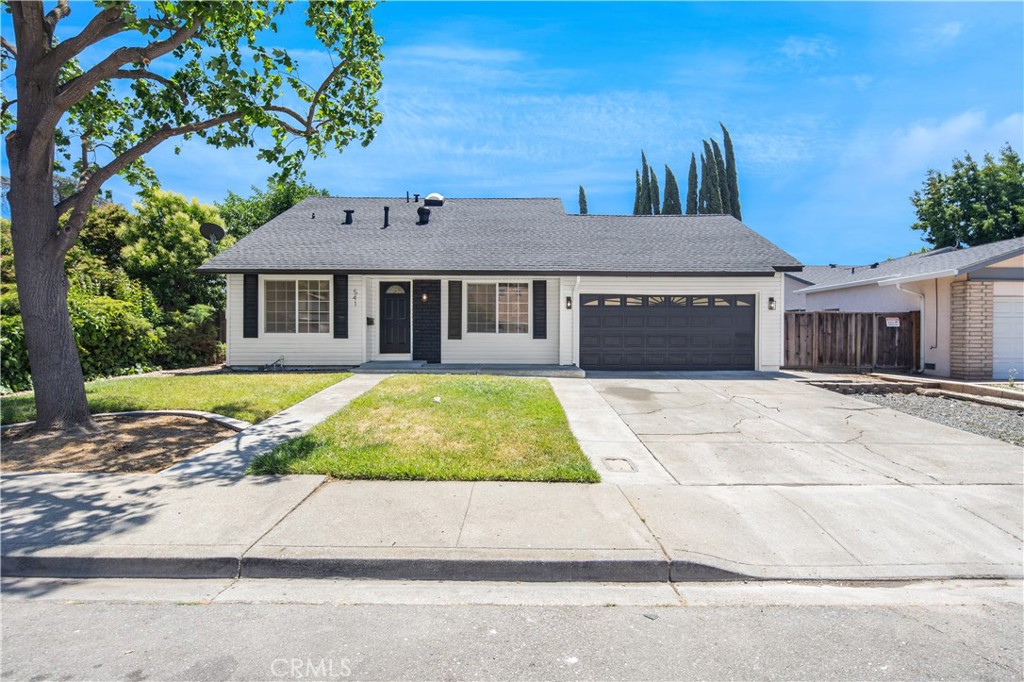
pixel 416 198
pixel 387 220
pixel 348 216
pixel 407 197
pixel 424 214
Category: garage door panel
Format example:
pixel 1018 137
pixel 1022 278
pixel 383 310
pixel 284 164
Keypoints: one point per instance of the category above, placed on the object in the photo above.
pixel 1007 336
pixel 667 332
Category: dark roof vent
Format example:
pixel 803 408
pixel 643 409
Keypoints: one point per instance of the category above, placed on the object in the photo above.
pixel 874 265
pixel 434 199
pixel 832 265
pixel 424 214
pixel 348 216
pixel 416 198
pixel 387 220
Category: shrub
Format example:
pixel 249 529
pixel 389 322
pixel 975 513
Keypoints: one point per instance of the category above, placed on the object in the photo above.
pixel 112 337
pixel 190 338
pixel 14 369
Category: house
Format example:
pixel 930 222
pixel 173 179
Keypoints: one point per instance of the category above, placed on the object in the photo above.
pixel 971 303
pixel 341 281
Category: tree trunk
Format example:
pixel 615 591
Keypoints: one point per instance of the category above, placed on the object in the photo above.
pixel 39 250
pixel 43 295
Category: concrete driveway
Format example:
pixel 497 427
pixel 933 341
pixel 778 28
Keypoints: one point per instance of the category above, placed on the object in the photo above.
pixel 750 472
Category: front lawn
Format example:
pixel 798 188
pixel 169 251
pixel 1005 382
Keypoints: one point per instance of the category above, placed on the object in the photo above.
pixel 483 428
pixel 250 397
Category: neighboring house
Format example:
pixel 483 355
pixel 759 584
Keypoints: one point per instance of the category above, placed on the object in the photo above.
pixel 344 281
pixel 971 303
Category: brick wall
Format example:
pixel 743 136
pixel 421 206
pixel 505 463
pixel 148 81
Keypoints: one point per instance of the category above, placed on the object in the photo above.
pixel 426 320
pixel 970 345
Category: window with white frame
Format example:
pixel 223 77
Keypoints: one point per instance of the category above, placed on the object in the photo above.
pixel 302 306
pixel 502 308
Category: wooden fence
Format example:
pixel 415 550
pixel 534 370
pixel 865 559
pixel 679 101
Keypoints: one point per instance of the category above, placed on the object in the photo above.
pixel 852 341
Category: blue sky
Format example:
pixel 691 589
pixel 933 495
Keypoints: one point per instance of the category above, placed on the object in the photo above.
pixel 836 110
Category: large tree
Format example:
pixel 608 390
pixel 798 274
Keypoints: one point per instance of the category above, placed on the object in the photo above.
pixel 972 204
pixel 645 186
pixel 242 215
pixel 672 205
pixel 710 178
pixel 720 172
pixel 136 76
pixel 691 187
pixel 583 201
pixel 732 177
pixel 638 196
pixel 655 208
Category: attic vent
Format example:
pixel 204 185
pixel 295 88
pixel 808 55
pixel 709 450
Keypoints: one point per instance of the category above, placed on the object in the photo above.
pixel 348 216
pixel 434 199
pixel 424 214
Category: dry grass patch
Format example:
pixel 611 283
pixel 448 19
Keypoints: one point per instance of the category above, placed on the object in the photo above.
pixel 483 428
pixel 119 445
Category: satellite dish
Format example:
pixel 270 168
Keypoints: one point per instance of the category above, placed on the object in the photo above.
pixel 211 232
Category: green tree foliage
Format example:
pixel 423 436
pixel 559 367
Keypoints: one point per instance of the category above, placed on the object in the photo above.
pixel 637 196
pixel 691 187
pixel 163 247
pixel 972 204
pixel 242 215
pixel 583 201
pixel 732 177
pixel 672 205
pixel 154 72
pixel 720 173
pixel 714 196
pixel 645 186
pixel 703 196
pixel 655 194
pixel 102 233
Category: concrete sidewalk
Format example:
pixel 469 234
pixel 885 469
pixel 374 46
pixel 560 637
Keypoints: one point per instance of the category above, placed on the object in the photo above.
pixel 75 525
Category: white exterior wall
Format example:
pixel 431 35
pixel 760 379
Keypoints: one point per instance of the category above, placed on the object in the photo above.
pixel 869 298
pixel 560 347
pixel 501 348
pixel 297 350
pixel 768 323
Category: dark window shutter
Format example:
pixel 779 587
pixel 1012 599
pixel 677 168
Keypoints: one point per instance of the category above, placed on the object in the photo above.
pixel 454 309
pixel 250 306
pixel 341 306
pixel 540 309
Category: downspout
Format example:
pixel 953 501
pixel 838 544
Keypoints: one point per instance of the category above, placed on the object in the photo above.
pixel 923 342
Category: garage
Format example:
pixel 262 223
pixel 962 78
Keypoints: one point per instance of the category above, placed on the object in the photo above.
pixel 667 332
pixel 1007 336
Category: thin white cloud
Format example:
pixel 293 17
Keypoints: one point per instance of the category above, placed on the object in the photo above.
pixel 938 36
pixel 798 48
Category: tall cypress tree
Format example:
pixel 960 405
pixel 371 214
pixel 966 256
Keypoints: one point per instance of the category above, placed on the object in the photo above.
pixel 655 193
pixel 732 180
pixel 645 186
pixel 636 197
pixel 714 188
pixel 583 201
pixel 702 197
pixel 691 187
pixel 672 205
pixel 723 185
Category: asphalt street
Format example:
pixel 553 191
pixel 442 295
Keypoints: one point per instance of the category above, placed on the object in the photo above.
pixel 273 630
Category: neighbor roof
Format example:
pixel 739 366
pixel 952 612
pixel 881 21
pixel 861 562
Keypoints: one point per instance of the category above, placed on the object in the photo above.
pixel 495 235
pixel 944 262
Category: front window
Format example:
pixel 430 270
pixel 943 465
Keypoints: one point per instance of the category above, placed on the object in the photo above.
pixel 302 306
pixel 502 308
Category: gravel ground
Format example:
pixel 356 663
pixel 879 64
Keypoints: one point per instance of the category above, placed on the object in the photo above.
pixel 984 420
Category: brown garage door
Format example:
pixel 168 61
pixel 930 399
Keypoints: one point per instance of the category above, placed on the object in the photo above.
pixel 666 332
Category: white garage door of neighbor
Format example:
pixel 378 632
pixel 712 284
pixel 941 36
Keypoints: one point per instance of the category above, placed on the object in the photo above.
pixel 1008 337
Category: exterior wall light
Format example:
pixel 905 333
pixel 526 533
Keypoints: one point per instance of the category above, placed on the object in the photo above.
pixel 771 303
pixel 568 302
pixel 423 297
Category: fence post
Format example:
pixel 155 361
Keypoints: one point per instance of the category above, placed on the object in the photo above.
pixel 874 342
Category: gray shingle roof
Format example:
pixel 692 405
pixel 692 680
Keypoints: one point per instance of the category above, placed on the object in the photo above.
pixel 937 263
pixel 496 235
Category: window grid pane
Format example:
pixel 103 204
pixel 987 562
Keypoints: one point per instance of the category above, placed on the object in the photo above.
pixel 279 316
pixel 480 308
pixel 513 308
pixel 314 306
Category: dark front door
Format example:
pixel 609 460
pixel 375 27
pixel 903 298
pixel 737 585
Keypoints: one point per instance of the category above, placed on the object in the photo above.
pixel 667 332
pixel 394 317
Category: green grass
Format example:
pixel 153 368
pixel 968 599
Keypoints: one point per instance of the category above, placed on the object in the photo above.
pixel 484 428
pixel 251 397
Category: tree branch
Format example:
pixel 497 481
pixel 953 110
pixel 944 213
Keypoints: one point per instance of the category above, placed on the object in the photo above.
pixel 7 45
pixel 103 25
pixel 136 74
pixel 62 10
pixel 79 202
